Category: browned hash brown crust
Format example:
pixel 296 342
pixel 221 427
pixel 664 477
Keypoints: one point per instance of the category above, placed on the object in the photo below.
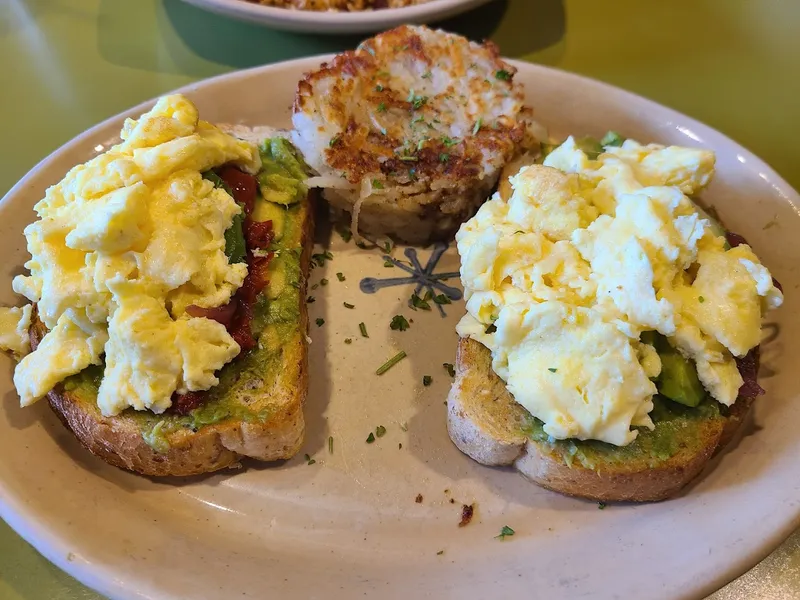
pixel 363 149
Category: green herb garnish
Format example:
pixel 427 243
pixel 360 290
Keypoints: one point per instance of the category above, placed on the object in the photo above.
pixel 380 431
pixel 701 299
pixel 335 140
pixel 399 323
pixel 340 276
pixel 444 157
pixel 382 107
pixel 363 329
pixel 391 362
pixel 310 300
pixel 417 302
pixel 370 437
pixel 450 369
pixel 442 299
pixel 404 426
pixel 330 444
pixel 388 263
pixel 320 322
pixel 477 127
pixel 427 380
pixel 377 184
pixel 601 505
pixel 502 75
pixel 309 460
pixel 348 341
pixel 348 305
pixel 552 369
pixel 505 532
pixel 323 281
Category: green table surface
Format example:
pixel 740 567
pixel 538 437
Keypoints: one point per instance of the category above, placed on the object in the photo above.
pixel 69 64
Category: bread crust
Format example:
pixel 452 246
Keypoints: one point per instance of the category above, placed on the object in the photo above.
pixel 118 440
pixel 484 422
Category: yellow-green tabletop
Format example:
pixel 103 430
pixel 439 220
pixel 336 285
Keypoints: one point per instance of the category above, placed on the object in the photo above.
pixel 69 64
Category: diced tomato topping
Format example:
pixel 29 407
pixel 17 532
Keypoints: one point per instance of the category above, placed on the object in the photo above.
pixel 258 235
pixel 183 404
pixel 243 185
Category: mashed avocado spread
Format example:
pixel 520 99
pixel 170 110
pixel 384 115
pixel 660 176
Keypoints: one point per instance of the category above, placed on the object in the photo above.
pixel 276 319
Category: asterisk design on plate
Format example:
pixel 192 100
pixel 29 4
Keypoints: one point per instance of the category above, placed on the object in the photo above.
pixel 423 277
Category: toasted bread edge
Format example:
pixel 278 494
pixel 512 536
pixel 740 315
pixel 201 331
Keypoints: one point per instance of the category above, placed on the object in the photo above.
pixel 483 423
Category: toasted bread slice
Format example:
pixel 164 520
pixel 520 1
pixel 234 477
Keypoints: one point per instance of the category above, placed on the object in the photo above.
pixel 487 424
pixel 256 410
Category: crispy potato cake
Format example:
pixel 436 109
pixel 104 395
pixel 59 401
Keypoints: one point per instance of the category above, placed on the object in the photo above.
pixel 409 131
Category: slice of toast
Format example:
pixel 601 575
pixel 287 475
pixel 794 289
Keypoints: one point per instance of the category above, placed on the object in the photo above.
pixel 487 424
pixel 256 410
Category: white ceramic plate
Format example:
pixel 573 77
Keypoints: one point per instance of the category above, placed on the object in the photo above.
pixel 349 524
pixel 338 22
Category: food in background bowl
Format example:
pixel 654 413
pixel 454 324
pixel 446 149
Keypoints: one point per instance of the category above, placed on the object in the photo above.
pixel 410 131
pixel 339 5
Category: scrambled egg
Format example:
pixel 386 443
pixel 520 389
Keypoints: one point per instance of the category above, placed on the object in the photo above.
pixel 123 245
pixel 563 277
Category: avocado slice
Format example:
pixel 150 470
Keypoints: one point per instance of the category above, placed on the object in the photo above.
pixel 678 379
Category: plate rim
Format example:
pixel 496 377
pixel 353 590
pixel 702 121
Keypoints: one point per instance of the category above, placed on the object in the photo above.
pixel 336 22
pixel 58 551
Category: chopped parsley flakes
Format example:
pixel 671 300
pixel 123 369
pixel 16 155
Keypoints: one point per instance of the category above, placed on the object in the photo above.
pixel 399 323
pixel 505 532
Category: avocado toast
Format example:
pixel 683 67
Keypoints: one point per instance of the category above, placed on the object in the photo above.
pixel 256 410
pixel 576 387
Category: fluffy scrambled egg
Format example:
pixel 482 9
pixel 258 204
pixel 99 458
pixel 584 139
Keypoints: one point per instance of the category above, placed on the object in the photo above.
pixel 123 245
pixel 563 277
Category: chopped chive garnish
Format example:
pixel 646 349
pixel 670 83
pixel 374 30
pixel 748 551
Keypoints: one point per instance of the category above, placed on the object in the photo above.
pixel 346 234
pixel 335 140
pixel 388 263
pixel 315 286
pixel 449 141
pixel 450 369
pixel 442 299
pixel 601 505
pixel 552 369
pixel 309 460
pixel 376 183
pixel 427 380
pixel 701 299
pixel 363 329
pixel 440 552
pixel 323 281
pixel 427 75
pixel 348 305
pixel 320 322
pixel 380 431
pixel 477 127
pixel 340 276
pixel 503 75
pixel 348 341
pixel 505 532
pixel 379 88
pixel 399 323
pixel 382 107
pixel 444 157
pixel 330 444
pixel 310 300
pixel 370 437
pixel 391 362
